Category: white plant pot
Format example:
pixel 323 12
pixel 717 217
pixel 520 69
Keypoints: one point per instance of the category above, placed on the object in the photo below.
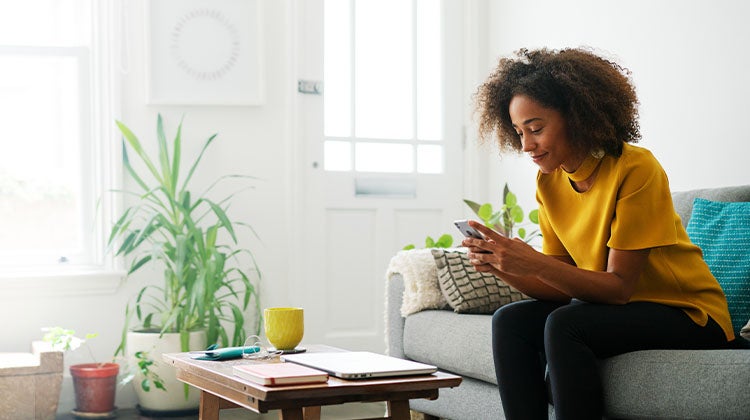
pixel 173 399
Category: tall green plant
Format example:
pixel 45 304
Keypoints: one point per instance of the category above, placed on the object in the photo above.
pixel 184 234
pixel 507 220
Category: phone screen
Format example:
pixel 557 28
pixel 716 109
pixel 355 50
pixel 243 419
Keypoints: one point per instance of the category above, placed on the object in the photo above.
pixel 466 230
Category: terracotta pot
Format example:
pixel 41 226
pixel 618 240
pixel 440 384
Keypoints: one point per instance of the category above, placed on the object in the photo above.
pixel 95 385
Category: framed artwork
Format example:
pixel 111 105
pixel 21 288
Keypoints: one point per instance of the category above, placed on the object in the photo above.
pixel 204 52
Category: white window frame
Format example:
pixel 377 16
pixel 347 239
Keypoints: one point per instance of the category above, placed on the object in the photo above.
pixel 102 274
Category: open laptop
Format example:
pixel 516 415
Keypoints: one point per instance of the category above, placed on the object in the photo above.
pixel 359 364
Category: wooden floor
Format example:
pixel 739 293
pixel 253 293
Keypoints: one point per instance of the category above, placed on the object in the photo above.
pixel 335 412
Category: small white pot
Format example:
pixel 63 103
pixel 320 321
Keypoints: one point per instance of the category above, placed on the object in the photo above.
pixel 173 399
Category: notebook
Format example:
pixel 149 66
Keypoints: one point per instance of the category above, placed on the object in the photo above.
pixel 359 364
pixel 280 374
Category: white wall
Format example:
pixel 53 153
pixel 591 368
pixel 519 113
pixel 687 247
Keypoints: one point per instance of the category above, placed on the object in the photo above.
pixel 689 60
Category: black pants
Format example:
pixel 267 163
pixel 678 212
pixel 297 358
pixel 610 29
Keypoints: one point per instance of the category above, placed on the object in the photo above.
pixel 570 338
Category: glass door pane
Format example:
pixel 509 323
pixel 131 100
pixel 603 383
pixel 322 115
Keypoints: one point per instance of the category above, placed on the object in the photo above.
pixel 383 66
pixel 337 67
pixel 384 157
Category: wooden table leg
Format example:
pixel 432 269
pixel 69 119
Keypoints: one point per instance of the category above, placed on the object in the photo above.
pixel 311 413
pixel 399 410
pixel 291 414
pixel 209 406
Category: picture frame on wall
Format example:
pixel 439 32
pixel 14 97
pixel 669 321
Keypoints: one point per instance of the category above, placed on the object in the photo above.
pixel 203 52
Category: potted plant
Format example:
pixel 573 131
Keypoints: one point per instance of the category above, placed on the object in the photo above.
pixel 191 238
pixel 444 241
pixel 94 384
pixel 507 220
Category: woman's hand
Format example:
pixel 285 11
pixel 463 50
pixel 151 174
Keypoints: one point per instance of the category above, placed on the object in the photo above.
pixel 511 260
pixel 500 255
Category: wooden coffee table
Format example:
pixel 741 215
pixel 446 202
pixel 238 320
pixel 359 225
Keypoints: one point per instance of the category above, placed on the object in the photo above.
pixel 221 389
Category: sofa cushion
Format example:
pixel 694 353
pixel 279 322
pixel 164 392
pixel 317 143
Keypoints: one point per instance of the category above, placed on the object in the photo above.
pixel 466 289
pixel 677 384
pixel 458 344
pixel 722 231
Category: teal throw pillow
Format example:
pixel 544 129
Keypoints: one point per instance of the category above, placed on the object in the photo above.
pixel 722 231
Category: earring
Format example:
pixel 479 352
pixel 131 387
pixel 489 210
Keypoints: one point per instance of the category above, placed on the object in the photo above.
pixel 597 153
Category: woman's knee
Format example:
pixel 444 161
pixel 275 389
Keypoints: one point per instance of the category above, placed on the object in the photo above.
pixel 523 315
pixel 565 320
pixel 508 314
pixel 514 314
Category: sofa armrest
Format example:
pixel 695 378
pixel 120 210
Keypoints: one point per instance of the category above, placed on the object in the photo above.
pixel 394 322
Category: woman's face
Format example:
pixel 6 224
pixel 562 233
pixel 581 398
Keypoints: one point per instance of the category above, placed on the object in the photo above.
pixel 544 135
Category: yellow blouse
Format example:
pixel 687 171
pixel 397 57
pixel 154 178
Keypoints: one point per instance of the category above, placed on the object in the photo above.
pixel 630 207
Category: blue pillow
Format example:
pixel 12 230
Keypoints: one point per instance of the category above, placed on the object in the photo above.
pixel 722 231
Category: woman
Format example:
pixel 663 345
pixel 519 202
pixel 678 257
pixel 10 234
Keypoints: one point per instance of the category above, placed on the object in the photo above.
pixel 617 271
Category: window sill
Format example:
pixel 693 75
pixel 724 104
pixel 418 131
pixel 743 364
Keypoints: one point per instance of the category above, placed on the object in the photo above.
pixel 73 283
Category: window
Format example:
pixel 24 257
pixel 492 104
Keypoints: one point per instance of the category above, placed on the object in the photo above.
pixel 56 117
pixel 383 108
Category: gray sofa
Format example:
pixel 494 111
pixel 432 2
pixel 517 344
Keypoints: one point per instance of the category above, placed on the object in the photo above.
pixel 653 384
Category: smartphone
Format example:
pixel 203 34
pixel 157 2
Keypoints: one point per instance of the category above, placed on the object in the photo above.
pixel 468 231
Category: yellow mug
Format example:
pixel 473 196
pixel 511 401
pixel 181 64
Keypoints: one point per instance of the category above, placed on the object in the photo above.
pixel 284 327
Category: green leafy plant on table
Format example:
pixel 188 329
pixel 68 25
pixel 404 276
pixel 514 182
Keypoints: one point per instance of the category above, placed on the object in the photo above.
pixel 507 220
pixel 192 240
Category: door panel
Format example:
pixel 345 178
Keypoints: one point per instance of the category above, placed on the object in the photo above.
pixel 352 222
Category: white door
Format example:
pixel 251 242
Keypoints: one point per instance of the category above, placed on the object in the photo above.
pixel 379 162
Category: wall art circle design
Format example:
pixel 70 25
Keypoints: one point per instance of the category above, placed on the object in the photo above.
pixel 193 54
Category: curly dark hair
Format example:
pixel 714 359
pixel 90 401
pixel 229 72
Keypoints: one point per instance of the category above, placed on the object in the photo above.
pixel 595 96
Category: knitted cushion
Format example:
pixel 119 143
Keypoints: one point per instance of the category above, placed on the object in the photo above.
pixel 469 291
pixel 722 231
pixel 421 290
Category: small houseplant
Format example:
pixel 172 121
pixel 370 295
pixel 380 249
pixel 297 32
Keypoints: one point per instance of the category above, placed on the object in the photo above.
pixel 444 241
pixel 191 238
pixel 94 384
pixel 509 218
